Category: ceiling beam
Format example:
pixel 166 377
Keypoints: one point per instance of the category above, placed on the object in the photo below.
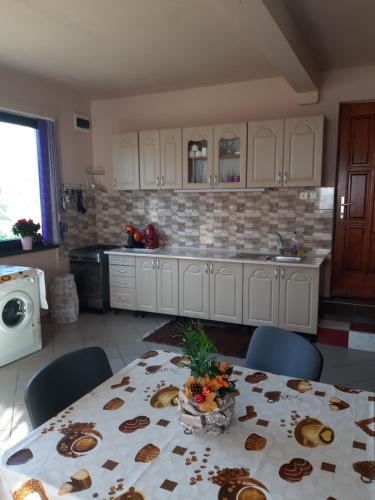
pixel 274 32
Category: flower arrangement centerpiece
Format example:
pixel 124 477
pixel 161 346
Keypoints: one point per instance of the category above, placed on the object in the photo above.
pixel 27 230
pixel 206 401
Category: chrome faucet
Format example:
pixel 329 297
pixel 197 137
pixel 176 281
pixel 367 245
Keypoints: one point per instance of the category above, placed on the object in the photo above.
pixel 280 243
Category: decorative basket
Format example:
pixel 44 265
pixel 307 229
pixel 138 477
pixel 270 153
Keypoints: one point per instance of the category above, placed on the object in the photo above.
pixel 213 423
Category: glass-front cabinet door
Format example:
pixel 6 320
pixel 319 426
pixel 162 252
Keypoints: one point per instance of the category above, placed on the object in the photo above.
pixel 230 155
pixel 197 157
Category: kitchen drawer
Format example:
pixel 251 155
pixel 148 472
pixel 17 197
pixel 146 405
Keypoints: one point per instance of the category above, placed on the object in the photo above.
pixel 127 271
pixel 123 298
pixel 122 260
pixel 122 282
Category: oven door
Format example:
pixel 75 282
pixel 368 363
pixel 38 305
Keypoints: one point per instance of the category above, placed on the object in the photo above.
pixel 88 278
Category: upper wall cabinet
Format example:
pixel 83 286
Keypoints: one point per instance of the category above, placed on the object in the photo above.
pixel 230 155
pixel 171 158
pixel 149 159
pixel 197 157
pixel 303 151
pixel 265 153
pixel 125 161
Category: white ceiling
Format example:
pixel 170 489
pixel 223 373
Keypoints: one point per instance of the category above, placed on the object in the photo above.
pixel 127 47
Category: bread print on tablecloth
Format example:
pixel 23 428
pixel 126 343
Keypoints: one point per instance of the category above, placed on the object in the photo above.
pixel 180 361
pixel 20 457
pixel 349 390
pixel 255 442
pixel 272 396
pixel 79 439
pixel 256 377
pixel 148 453
pixel 310 432
pixel 79 481
pixel 295 470
pixel 29 488
pixel 134 424
pixel 365 426
pixel 337 404
pixel 114 404
pixel 366 470
pixel 299 385
pixel 150 370
pixel 148 354
pixel 124 381
pixel 168 396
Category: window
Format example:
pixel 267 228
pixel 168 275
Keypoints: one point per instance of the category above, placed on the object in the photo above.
pixel 19 172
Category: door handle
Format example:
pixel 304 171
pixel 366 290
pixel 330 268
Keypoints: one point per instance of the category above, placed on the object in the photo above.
pixel 279 178
pixel 342 206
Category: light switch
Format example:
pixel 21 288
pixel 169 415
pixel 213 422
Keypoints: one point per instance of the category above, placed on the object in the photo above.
pixel 303 195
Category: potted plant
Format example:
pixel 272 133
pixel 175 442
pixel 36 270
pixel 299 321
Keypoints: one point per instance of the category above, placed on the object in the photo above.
pixel 206 402
pixel 27 230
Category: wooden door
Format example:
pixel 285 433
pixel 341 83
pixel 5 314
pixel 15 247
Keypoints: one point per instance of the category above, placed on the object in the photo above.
pixel 303 151
pixel 226 292
pixel 194 289
pixel 261 295
pixel 299 297
pixel 125 161
pixel 197 157
pixel 145 278
pixel 230 155
pixel 265 153
pixel 167 286
pixel 353 270
pixel 149 159
pixel 171 158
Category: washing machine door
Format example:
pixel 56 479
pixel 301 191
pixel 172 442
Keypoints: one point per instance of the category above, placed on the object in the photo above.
pixel 16 312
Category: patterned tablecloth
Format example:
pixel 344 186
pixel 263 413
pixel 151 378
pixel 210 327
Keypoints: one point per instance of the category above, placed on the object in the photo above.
pixel 290 439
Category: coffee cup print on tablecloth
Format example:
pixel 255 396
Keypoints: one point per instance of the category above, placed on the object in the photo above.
pixel 295 470
pixel 79 439
pixel 311 433
pixel 168 396
pixel 272 396
pixel 366 470
pixel 243 488
pixel 299 385
pixel 131 494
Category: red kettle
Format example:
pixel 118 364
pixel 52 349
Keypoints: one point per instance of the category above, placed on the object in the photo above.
pixel 150 236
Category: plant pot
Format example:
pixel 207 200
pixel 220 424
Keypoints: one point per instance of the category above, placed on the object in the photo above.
pixel 213 423
pixel 27 242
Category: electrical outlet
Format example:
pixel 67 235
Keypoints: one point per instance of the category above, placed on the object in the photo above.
pixel 303 195
pixel 313 195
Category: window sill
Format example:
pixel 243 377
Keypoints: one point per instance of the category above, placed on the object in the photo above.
pixel 8 252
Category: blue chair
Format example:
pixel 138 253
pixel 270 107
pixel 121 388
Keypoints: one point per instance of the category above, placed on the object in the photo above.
pixel 64 381
pixel 283 353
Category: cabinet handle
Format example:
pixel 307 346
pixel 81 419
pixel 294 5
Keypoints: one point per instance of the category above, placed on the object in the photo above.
pixel 212 267
pixel 158 181
pixel 215 180
pixel 206 268
pixel 285 177
pixel 276 274
pixel 158 263
pixel 153 263
pixel 210 180
pixel 114 181
pixel 162 180
pixel 279 177
pixel 282 273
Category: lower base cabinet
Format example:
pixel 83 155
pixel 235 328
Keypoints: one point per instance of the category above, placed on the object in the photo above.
pixel 281 296
pixel 210 290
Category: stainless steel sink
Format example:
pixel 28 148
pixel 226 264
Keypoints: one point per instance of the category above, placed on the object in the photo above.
pixel 285 258
pixel 250 256
pixel 141 250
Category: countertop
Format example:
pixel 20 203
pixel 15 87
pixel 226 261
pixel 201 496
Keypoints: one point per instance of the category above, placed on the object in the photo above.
pixel 254 257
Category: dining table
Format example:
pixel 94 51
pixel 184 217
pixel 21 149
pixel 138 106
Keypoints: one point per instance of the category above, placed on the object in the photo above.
pixel 288 439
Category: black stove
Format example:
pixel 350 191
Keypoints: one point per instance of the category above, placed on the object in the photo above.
pixel 91 272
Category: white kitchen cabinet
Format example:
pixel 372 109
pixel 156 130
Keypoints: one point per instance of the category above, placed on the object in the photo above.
pixel 125 161
pixel 171 158
pixel 261 295
pixel 197 157
pixel 298 303
pixel 265 153
pixel 145 279
pixel 123 298
pixel 149 159
pixel 226 292
pixel 230 155
pixel 167 286
pixel 194 289
pixel 303 151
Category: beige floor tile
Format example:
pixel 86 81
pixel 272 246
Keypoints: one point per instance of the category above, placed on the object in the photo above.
pixel 4 437
pixel 6 414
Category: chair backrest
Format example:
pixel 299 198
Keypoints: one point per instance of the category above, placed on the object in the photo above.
pixel 64 381
pixel 283 353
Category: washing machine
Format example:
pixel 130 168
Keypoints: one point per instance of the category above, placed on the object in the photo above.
pixel 20 330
